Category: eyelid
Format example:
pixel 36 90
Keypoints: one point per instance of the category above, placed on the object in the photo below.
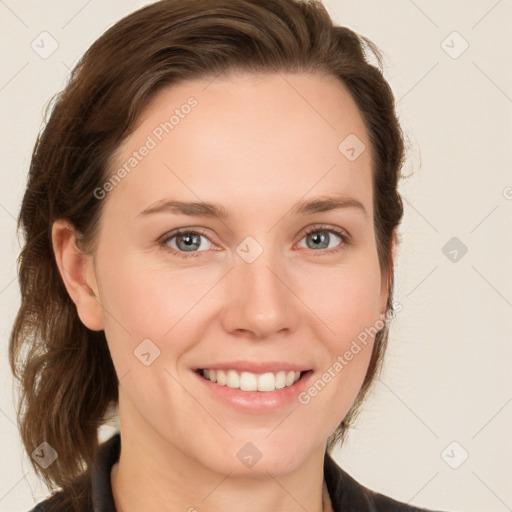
pixel 345 237
pixel 343 233
pixel 179 231
pixel 166 237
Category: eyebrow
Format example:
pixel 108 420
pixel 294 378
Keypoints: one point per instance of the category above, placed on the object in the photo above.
pixel 213 210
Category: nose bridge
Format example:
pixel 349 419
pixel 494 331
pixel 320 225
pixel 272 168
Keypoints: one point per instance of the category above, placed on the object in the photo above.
pixel 259 299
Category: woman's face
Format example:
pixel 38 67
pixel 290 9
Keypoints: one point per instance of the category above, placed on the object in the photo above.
pixel 248 288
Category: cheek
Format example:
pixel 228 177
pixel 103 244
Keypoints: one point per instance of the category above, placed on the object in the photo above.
pixel 147 299
pixel 141 305
pixel 144 300
pixel 137 307
pixel 345 299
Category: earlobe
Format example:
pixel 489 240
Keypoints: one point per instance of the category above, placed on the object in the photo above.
pixel 78 274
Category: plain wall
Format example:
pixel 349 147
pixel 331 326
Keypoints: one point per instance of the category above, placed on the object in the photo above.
pixel 446 386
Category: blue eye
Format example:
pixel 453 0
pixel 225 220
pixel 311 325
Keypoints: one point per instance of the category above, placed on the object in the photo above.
pixel 322 236
pixel 186 243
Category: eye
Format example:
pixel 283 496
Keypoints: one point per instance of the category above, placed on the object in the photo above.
pixel 186 242
pixel 320 237
pixel 182 241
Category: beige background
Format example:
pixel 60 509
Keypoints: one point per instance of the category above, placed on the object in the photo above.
pixel 446 388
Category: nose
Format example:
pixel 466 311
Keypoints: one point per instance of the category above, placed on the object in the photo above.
pixel 259 298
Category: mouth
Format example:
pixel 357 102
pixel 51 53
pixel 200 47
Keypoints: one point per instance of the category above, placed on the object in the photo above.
pixel 250 382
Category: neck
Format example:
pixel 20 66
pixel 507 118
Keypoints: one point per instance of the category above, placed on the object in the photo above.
pixel 152 474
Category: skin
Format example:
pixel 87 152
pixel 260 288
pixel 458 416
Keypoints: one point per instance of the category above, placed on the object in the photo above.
pixel 256 144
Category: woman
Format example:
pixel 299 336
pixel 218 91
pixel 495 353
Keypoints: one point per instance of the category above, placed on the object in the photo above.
pixel 210 224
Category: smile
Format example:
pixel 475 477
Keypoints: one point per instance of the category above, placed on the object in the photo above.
pixel 248 381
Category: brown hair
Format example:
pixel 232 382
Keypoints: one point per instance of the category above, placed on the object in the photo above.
pixel 67 379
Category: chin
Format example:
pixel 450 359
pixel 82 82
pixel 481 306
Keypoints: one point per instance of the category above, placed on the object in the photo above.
pixel 243 457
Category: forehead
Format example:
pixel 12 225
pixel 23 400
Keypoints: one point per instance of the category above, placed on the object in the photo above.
pixel 268 137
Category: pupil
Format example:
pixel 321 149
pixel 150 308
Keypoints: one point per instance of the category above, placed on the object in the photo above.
pixel 319 238
pixel 190 240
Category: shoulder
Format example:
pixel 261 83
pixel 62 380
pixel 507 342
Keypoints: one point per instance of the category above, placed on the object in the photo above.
pixel 75 498
pixel 348 495
pixel 91 491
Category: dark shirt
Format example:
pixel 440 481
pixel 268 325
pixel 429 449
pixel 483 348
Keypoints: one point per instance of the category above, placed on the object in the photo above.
pixel 93 489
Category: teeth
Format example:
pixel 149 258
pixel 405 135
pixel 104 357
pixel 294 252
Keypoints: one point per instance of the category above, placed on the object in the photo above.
pixel 247 381
pixel 232 380
pixel 221 378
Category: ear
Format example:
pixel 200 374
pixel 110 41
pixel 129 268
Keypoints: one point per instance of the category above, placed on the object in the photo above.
pixel 386 277
pixel 78 274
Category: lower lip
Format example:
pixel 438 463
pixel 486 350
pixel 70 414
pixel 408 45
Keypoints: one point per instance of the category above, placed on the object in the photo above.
pixel 256 401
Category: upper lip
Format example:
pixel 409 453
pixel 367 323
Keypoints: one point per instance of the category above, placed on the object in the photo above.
pixel 256 367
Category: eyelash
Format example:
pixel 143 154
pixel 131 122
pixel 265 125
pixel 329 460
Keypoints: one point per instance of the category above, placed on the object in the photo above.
pixel 162 242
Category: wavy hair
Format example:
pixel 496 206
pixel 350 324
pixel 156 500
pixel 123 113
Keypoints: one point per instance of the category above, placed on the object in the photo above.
pixel 65 374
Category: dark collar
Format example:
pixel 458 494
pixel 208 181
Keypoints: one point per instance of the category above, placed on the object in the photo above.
pixel 107 456
pixel 347 495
